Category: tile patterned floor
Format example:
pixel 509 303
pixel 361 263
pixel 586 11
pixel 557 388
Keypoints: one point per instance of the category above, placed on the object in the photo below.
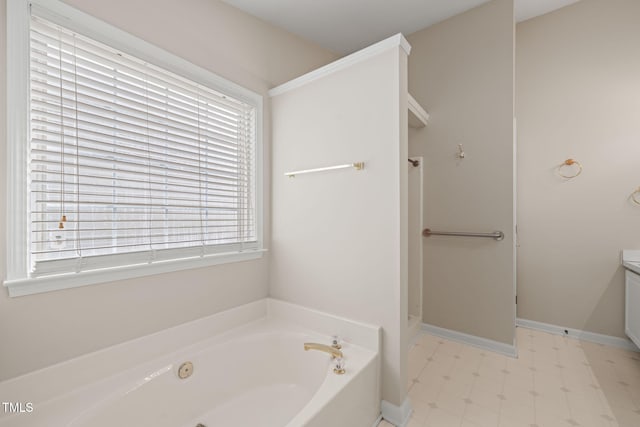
pixel 555 382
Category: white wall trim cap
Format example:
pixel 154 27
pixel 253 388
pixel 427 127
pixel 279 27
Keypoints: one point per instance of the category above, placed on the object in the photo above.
pixel 420 116
pixel 483 343
pixel 397 415
pixel 394 41
pixel 578 334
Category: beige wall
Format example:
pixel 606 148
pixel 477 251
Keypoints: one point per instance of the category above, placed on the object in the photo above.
pixel 461 71
pixel 578 96
pixel 39 330
pixel 339 238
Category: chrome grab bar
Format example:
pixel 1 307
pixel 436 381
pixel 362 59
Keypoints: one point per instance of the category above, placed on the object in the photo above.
pixel 498 235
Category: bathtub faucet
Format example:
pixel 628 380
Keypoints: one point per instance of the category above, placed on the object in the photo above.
pixel 334 352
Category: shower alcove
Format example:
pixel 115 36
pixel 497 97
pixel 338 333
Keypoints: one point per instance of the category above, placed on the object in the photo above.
pixel 418 118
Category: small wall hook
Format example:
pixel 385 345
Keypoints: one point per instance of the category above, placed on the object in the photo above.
pixel 460 153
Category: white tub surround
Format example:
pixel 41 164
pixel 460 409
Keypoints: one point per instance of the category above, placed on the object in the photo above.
pixel 339 238
pixel 249 368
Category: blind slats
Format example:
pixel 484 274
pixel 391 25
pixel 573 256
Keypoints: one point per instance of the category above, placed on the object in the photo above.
pixel 93 100
pixel 138 160
pixel 174 182
pixel 140 156
pixel 129 183
pixel 56 39
pixel 136 130
pixel 129 166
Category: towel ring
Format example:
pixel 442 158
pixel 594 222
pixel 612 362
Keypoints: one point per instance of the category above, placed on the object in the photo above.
pixel 634 196
pixel 570 162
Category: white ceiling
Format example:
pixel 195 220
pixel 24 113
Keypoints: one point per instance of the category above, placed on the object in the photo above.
pixel 527 9
pixel 344 26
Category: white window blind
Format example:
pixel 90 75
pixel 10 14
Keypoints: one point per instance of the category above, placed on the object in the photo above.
pixel 130 163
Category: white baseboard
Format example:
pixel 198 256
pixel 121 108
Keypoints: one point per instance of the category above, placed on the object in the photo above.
pixel 397 415
pixel 377 421
pixel 483 343
pixel 578 334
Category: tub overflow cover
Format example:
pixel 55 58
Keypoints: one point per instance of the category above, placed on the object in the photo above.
pixel 185 370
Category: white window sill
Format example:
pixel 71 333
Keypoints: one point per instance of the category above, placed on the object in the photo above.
pixel 28 286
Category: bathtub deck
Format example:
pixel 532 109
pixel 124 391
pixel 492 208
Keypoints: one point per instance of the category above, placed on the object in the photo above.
pixel 253 374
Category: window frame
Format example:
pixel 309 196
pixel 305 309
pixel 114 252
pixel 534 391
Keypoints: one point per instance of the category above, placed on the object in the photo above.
pixel 18 280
